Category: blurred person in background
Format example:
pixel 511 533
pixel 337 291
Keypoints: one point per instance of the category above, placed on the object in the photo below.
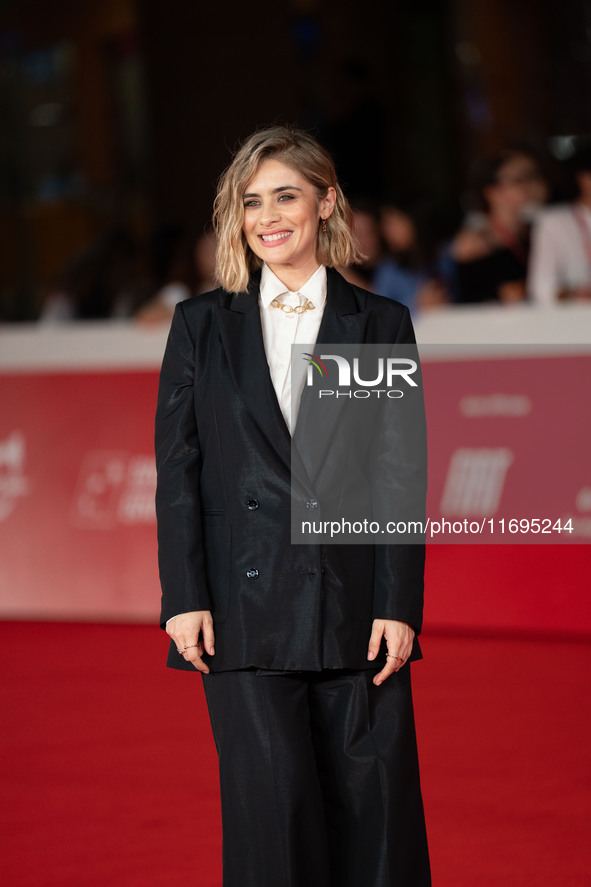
pixel 185 268
pixel 399 256
pixel 98 283
pixel 536 177
pixel 560 264
pixel 491 251
pixel 366 228
pixel 408 272
pixel 304 650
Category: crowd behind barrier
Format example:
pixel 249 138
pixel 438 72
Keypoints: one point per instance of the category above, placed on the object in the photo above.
pixel 524 236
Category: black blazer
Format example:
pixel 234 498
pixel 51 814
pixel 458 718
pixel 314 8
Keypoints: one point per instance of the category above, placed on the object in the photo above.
pixel 224 503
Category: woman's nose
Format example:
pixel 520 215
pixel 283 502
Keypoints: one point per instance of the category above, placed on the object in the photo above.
pixel 269 213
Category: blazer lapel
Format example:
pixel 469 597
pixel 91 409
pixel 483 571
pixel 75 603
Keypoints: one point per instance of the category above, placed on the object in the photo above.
pixel 344 323
pixel 242 337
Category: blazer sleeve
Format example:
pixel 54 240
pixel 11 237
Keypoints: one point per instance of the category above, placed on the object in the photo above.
pixel 178 465
pixel 400 454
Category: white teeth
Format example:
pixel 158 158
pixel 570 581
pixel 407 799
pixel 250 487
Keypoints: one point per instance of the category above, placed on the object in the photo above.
pixel 268 237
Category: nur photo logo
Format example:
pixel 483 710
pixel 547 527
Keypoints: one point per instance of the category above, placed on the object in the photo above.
pixel 348 374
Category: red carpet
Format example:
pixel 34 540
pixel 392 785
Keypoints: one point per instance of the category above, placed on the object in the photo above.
pixel 109 771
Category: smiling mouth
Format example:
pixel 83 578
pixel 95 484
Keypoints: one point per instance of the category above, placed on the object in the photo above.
pixel 275 238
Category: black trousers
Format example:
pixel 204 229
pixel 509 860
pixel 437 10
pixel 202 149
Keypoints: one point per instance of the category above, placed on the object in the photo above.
pixel 319 779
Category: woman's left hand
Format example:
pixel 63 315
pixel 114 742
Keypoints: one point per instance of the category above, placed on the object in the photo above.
pixel 399 637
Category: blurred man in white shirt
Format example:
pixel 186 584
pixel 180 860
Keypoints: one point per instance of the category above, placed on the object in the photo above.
pixel 560 260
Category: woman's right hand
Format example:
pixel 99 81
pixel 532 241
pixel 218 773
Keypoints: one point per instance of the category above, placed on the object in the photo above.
pixel 192 632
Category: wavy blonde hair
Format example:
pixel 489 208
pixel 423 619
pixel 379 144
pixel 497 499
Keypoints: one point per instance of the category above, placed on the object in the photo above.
pixel 297 149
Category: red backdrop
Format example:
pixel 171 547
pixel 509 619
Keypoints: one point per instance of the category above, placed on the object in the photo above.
pixel 77 477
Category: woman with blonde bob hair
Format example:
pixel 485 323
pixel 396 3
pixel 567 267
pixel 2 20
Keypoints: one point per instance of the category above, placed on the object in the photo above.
pixel 235 260
pixel 304 649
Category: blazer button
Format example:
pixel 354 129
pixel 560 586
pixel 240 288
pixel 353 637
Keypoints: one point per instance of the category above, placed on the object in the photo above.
pixel 252 574
pixel 311 504
pixel 252 504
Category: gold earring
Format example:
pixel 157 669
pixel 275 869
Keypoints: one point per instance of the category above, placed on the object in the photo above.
pixel 324 226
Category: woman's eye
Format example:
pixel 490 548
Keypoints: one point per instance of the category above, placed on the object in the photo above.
pixel 286 197
pixel 250 203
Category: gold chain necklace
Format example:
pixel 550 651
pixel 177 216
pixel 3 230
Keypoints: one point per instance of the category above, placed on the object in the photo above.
pixel 288 309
